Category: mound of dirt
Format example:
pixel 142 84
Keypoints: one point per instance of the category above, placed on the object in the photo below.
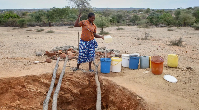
pixel 77 92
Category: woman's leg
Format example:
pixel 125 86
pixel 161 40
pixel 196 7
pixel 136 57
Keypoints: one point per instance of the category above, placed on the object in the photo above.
pixel 78 66
pixel 90 63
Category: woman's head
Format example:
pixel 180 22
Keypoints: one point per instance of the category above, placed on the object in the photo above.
pixel 91 17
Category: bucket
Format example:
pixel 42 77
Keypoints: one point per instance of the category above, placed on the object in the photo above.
pixel 144 62
pixel 134 62
pixel 125 60
pixel 172 60
pixel 157 65
pixel 107 39
pixel 105 65
pixel 116 64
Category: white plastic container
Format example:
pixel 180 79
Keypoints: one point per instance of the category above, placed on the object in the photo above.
pixel 125 60
pixel 116 63
pixel 107 39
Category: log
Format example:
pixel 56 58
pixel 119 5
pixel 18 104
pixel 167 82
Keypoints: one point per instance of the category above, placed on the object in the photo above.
pixel 55 96
pixel 46 101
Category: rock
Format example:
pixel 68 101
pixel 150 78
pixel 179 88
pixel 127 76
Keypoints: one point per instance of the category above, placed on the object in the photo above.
pixel 190 68
pixel 39 53
pixel 48 60
pixel 63 56
pixel 50 54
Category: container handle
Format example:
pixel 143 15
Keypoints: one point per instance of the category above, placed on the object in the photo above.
pixel 115 64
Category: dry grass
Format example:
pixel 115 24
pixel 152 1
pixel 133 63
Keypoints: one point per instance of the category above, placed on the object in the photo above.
pixel 177 42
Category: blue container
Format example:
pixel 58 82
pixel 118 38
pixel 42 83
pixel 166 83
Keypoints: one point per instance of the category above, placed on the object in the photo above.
pixel 134 62
pixel 105 65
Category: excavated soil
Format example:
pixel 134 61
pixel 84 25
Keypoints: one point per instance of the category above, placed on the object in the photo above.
pixel 77 92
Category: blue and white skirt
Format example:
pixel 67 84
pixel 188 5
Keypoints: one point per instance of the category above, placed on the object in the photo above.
pixel 86 51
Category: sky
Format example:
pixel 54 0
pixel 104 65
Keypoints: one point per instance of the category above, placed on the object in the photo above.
pixel 152 4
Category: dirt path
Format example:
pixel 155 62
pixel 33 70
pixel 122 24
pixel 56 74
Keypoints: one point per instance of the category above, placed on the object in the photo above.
pixel 18 47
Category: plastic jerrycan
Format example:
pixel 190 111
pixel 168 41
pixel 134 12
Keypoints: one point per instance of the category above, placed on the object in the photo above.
pixel 172 60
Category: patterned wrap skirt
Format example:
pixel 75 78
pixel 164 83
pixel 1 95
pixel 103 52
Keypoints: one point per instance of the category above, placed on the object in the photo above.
pixel 86 51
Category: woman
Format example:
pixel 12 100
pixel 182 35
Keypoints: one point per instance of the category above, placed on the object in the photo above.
pixel 87 42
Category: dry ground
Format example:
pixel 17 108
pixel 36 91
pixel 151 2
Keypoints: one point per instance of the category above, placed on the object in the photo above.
pixel 18 46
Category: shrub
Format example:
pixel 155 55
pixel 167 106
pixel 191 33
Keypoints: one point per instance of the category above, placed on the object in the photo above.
pixel 22 23
pixel 195 26
pixel 70 26
pixel 39 30
pixel 142 24
pixel 29 30
pixel 50 31
pixel 170 29
pixel 177 42
pixel 120 28
pixel 11 23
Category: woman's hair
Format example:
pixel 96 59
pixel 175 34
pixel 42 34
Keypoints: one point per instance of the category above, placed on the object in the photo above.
pixel 90 15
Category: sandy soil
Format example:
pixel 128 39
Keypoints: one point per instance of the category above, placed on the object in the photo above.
pixel 18 47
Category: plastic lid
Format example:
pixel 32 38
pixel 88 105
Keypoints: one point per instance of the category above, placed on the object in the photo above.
pixel 107 36
pixel 157 59
pixel 126 55
pixel 116 59
pixel 172 55
pixel 105 59
pixel 170 78
pixel 135 55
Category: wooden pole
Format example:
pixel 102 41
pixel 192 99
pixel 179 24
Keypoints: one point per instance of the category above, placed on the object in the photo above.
pixel 78 40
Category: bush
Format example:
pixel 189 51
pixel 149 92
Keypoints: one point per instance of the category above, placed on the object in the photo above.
pixel 22 23
pixel 39 30
pixel 195 26
pixel 70 26
pixel 170 29
pixel 50 31
pixel 142 24
pixel 11 23
pixel 120 28
pixel 177 42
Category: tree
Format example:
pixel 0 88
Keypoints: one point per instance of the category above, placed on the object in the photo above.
pixel 147 10
pixel 82 5
pixel 38 16
pixel 101 22
pixel 154 18
pixel 135 18
pixel 140 10
pixel 186 19
pixel 50 17
pixel 167 19
pixel 196 14
pixel 177 13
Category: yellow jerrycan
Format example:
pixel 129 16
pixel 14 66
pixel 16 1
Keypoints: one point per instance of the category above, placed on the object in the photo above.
pixel 172 60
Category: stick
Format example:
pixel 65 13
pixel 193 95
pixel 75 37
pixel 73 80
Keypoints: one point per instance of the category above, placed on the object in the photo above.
pixel 78 40
pixel 54 104
pixel 46 101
